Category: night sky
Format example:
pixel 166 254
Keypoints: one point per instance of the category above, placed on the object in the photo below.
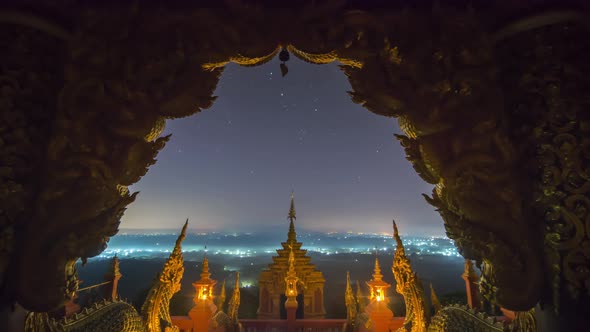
pixel 233 167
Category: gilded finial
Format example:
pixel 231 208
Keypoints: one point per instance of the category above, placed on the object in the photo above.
pixel 292 236
pixel 377 270
pixel 205 270
pixel 292 209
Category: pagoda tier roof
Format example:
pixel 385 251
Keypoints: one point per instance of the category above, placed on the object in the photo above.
pixel 280 264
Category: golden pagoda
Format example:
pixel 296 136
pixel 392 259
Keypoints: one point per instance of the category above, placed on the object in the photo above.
pixel 272 280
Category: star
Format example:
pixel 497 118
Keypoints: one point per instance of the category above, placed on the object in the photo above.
pixel 282 94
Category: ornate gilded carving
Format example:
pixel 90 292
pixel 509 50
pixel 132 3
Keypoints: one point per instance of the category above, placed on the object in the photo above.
pixel 457 318
pixel 446 94
pixel 230 320
pixel 116 315
pixel 410 287
pixel 350 301
pixel 29 85
pixel 552 122
pixel 524 321
pixel 155 310
pixel 102 316
pixel 70 156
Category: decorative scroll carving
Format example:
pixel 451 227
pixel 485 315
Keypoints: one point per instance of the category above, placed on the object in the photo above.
pixel 446 95
pixel 456 318
pixel 552 122
pixel 73 162
pixel 29 85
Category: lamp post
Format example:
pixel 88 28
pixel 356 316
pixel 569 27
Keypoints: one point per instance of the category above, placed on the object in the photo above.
pixel 378 311
pixel 204 307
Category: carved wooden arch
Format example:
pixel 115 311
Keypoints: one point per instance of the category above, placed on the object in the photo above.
pixel 126 73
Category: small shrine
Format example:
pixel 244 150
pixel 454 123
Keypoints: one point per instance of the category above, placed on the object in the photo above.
pixel 309 286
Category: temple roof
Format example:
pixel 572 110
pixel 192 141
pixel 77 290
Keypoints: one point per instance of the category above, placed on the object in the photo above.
pixel 305 270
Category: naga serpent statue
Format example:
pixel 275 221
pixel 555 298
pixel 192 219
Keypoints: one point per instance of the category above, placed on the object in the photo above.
pixel 410 287
pixel 116 315
pixel 452 318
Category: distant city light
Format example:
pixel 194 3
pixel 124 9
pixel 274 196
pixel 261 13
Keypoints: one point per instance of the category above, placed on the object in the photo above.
pixel 245 245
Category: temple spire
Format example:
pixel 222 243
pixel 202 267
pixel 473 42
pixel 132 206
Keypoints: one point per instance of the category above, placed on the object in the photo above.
pixel 292 209
pixel 292 236
pixel 377 271
pixel 205 274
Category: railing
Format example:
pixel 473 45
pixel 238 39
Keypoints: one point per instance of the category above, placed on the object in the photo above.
pixel 184 323
pixel 93 286
pixel 299 325
pixel 396 323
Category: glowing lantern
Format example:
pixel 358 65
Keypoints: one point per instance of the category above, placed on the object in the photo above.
pixel 204 286
pixel 377 285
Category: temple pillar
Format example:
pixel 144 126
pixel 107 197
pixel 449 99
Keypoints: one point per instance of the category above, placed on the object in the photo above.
pixel 110 290
pixel 291 305
pixel 201 315
pixel 471 287
pixel 380 316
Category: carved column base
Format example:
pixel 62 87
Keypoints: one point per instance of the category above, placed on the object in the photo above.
pixel 380 316
pixel 291 306
pixel 201 315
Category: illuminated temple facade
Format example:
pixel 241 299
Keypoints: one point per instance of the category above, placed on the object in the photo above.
pixel 272 280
